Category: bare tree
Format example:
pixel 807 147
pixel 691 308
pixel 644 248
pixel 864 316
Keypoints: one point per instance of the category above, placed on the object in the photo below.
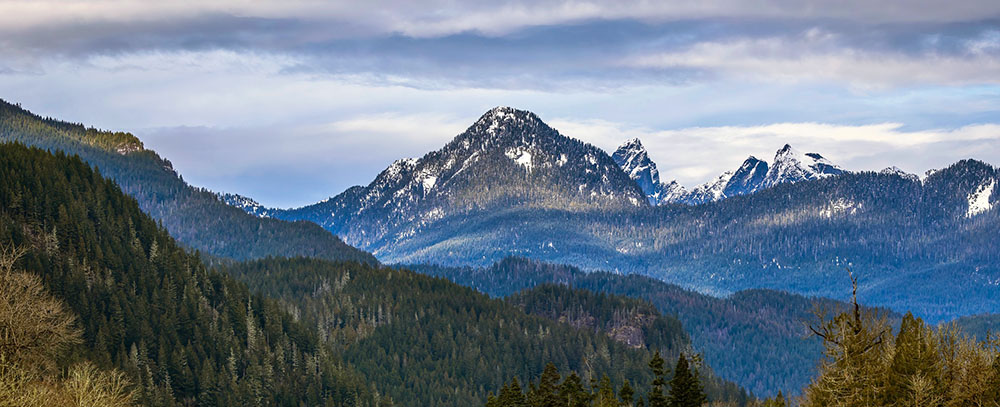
pixel 34 326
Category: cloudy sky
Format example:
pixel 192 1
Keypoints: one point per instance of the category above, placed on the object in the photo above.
pixel 293 101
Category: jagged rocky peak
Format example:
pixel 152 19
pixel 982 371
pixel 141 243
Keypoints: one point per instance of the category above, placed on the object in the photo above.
pixel 671 192
pixel 709 191
pixel 791 165
pixel 747 178
pixel 632 157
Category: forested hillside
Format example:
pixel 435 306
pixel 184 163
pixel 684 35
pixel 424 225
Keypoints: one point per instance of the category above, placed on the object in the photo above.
pixel 195 217
pixel 432 342
pixel 756 338
pixel 636 323
pixel 183 334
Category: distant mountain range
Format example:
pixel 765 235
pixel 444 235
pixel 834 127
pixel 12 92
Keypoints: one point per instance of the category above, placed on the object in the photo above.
pixel 789 166
pixel 511 185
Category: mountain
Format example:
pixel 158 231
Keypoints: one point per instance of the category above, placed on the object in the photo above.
pixel 507 159
pixel 791 165
pixel 195 217
pixel 920 246
pixel 247 204
pixel 754 174
pixel 632 157
pixel 182 334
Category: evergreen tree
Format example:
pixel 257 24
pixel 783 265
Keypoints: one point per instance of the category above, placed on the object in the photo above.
pixel 573 393
pixel 914 373
pixel 605 396
pixel 776 401
pixel 656 396
pixel 852 374
pixel 685 389
pixel 512 395
pixel 546 394
pixel 626 393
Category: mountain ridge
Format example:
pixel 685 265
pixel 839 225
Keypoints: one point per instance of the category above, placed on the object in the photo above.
pixel 194 216
pixel 789 165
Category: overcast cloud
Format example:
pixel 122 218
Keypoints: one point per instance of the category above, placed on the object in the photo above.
pixel 293 101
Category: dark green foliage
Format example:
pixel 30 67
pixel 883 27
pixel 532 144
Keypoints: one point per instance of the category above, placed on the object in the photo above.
pixel 685 390
pixel 626 393
pixel 656 397
pixel 756 338
pixel 184 334
pixel 634 322
pixel 429 341
pixel 195 217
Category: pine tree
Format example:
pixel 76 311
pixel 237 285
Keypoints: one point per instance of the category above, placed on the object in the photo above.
pixel 546 394
pixel 626 394
pixel 685 389
pixel 573 393
pixel 914 372
pixel 605 396
pixel 656 396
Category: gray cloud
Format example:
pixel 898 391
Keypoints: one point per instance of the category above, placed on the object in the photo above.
pixel 278 100
pixel 527 45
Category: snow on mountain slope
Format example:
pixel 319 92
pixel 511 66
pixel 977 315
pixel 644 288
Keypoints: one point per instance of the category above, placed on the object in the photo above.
pixel 671 192
pixel 791 165
pixel 245 203
pixel 753 175
pixel 508 158
pixel 979 200
pixel 709 191
pixel 894 170
pixel 633 158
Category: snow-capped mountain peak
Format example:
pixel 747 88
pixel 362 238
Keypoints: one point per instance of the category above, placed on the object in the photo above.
pixel 632 157
pixel 505 121
pixel 791 165
pixel 710 191
pixel 506 158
